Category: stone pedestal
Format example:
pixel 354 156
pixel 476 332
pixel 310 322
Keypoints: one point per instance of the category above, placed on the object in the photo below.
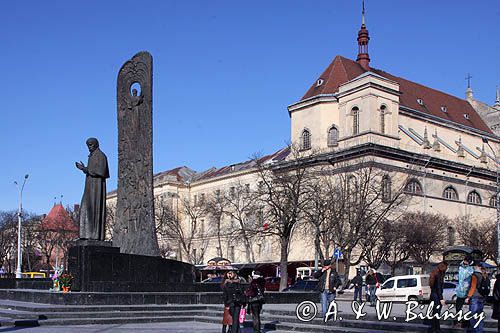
pixel 102 268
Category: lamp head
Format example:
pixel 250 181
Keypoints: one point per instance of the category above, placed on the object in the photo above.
pixel 484 140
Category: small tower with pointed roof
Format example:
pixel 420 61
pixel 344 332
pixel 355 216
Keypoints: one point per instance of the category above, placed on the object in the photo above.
pixel 363 39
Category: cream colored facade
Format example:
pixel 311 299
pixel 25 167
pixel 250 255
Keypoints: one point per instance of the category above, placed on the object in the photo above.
pixel 427 139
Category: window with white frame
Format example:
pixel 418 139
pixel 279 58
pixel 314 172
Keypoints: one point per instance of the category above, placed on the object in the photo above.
pixel 474 198
pixel 306 140
pixel 333 137
pixel 450 193
pixel 355 120
pixel 493 201
pixel 413 186
pixel 383 112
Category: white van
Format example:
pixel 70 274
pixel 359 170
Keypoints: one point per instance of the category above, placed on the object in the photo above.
pixel 405 288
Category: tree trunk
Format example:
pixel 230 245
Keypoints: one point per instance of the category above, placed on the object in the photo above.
pixel 347 265
pixel 284 264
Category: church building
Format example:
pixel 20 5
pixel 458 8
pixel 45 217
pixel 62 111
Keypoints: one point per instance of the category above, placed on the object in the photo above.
pixel 351 111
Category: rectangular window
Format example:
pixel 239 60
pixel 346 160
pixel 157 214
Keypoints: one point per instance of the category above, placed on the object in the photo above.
pixel 231 253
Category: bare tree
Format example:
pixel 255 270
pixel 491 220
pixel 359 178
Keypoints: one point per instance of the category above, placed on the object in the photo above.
pixel 478 233
pixel 110 220
pixel 185 227
pixel 8 239
pixel 358 200
pixel 396 239
pixel 241 207
pixel 425 235
pixel 284 194
pixel 216 208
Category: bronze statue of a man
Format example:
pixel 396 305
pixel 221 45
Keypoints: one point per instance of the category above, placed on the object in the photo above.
pixel 93 206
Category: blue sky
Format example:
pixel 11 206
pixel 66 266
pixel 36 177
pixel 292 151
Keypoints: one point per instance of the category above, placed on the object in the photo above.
pixel 224 73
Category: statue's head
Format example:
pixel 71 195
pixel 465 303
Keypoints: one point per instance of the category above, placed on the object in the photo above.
pixel 92 144
pixel 134 92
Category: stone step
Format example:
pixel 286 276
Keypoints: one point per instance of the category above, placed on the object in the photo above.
pixel 34 307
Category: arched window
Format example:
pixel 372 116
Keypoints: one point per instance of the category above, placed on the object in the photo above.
pixel 493 201
pixel 333 137
pixel 474 198
pixel 413 186
pixel 306 140
pixel 383 111
pixel 386 188
pixel 450 193
pixel 355 120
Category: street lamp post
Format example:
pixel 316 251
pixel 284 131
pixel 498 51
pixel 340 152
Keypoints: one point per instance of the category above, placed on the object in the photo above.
pixel 497 199
pixel 19 229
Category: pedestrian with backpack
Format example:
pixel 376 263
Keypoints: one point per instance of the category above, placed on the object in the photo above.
pixel 479 290
pixel 465 272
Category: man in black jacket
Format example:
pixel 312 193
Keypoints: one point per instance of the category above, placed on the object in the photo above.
pixel 328 283
pixel 357 281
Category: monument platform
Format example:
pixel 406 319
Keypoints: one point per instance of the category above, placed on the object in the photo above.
pixel 100 267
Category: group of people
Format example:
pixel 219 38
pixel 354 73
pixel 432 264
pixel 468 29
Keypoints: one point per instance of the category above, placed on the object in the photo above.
pixel 473 289
pixel 236 298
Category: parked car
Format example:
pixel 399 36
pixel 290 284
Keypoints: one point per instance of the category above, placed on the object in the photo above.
pixel 273 283
pixel 217 279
pixel 449 291
pixel 405 288
pixel 303 285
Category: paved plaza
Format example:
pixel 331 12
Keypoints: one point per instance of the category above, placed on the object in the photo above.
pixel 191 327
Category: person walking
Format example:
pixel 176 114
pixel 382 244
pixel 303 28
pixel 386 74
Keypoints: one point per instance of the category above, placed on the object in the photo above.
pixel 436 282
pixel 255 296
pixel 234 298
pixel 496 301
pixel 371 284
pixel 227 320
pixel 474 297
pixel 357 281
pixel 328 283
pixel 464 278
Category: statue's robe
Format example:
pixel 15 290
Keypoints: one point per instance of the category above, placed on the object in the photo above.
pixel 93 206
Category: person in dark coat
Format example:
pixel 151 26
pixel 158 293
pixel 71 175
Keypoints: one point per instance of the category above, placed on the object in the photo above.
pixel 371 285
pixel 227 320
pixel 357 281
pixel 256 288
pixel 496 300
pixel 436 282
pixel 234 297
pixel 328 283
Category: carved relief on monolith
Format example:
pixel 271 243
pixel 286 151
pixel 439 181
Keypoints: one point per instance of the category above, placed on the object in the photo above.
pixel 134 230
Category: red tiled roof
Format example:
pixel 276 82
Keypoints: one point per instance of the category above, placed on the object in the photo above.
pixel 342 70
pixel 213 172
pixel 59 219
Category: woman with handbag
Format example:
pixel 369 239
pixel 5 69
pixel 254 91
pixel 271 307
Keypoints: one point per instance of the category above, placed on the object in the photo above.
pixel 255 297
pixel 227 320
pixel 234 299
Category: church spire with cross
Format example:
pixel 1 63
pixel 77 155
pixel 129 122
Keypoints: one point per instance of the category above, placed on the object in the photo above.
pixel 468 93
pixel 497 100
pixel 363 39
